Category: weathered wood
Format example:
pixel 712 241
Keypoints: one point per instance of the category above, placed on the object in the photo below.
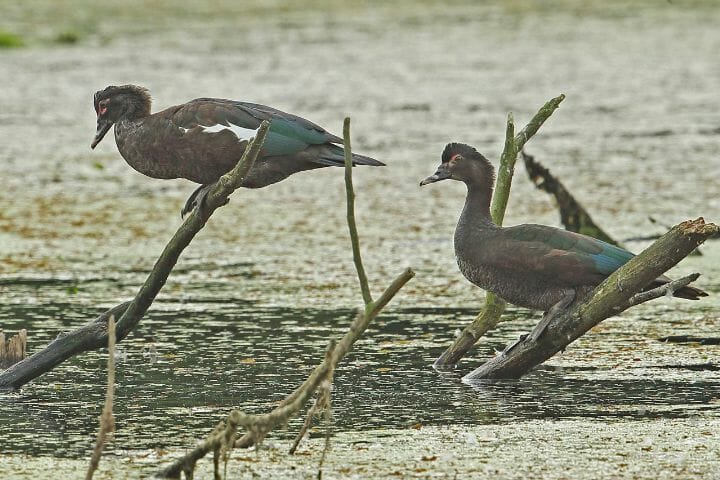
pixel 94 335
pixel 489 316
pixel 617 293
pixel 14 350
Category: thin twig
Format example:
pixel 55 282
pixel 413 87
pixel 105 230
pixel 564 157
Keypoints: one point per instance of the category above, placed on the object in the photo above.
pixel 350 194
pixel 328 428
pixel 664 290
pixel 107 421
pixel 322 400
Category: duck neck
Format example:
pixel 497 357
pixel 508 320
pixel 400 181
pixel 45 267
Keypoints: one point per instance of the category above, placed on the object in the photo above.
pixel 477 204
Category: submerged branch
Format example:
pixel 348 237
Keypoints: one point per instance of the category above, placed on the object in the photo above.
pixel 489 316
pixel 94 334
pixel 617 293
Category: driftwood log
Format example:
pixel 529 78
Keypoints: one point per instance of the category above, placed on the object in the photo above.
pixel 94 335
pixel 489 316
pixel 618 292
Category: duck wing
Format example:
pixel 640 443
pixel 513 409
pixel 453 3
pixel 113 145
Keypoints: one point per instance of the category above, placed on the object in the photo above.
pixel 288 133
pixel 562 257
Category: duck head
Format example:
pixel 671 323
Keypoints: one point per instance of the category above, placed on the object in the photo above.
pixel 115 103
pixel 464 163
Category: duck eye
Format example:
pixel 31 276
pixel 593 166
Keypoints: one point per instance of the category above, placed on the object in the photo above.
pixel 102 108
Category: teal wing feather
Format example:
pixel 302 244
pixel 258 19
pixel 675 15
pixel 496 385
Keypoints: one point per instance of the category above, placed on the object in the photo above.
pixel 288 133
pixel 566 257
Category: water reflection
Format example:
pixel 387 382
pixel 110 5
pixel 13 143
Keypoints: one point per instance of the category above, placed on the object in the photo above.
pixel 189 363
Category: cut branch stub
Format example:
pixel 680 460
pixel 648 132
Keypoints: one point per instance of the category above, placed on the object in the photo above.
pixel 614 295
pixel 14 350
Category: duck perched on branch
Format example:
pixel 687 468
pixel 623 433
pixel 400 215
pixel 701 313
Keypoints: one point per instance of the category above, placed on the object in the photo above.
pixel 532 266
pixel 204 138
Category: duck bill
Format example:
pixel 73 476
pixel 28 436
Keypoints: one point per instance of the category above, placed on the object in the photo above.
pixel 441 174
pixel 103 125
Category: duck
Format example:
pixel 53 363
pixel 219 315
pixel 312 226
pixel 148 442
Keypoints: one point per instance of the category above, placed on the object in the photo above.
pixel 533 266
pixel 205 138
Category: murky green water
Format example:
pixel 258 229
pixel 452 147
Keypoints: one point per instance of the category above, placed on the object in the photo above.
pixel 254 300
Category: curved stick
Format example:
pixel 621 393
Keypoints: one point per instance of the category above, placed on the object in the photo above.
pixel 258 426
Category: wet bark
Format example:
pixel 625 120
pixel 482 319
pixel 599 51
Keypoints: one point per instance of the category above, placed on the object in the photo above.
pixel 617 293
pixel 489 316
pixel 94 335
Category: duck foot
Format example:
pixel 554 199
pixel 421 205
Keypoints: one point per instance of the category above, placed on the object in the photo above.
pixel 542 325
pixel 554 311
pixel 197 199
pixel 512 346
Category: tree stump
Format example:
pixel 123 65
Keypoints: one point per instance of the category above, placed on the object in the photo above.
pixel 14 350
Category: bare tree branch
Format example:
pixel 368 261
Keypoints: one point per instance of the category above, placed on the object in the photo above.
pixel 258 426
pixel 572 215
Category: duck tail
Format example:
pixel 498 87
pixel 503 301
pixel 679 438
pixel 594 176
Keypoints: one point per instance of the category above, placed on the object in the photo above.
pixel 334 156
pixel 690 293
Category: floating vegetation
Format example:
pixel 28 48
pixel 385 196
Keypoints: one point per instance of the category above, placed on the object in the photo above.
pixel 10 40
pixel 67 37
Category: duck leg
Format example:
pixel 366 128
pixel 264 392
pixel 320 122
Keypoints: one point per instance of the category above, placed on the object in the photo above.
pixel 196 198
pixel 547 317
pixel 512 346
pixel 552 313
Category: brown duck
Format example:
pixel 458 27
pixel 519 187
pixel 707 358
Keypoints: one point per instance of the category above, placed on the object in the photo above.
pixel 205 138
pixel 533 266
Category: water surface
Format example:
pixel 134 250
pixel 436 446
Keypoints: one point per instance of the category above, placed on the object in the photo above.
pixel 253 301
